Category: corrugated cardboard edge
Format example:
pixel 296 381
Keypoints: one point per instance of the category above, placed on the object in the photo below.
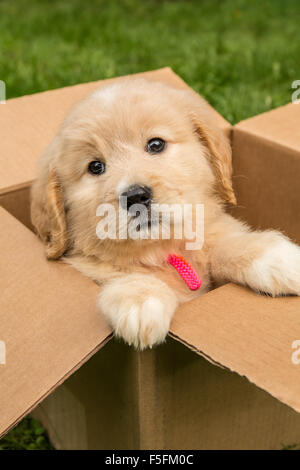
pixel 199 351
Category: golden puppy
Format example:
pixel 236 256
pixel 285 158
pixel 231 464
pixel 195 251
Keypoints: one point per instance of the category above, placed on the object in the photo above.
pixel 149 144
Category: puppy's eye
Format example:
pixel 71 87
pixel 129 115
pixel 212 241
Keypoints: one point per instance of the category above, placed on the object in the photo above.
pixel 96 167
pixel 155 145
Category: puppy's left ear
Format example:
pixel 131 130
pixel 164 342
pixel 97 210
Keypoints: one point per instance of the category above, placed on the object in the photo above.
pixel 48 213
pixel 219 155
pixel 57 243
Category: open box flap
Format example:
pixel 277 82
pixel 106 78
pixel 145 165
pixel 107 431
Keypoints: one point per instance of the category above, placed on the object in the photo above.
pixel 248 333
pixel 48 321
pixel 280 126
pixel 28 124
pixel 266 164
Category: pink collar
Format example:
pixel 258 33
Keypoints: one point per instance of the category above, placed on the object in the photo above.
pixel 186 271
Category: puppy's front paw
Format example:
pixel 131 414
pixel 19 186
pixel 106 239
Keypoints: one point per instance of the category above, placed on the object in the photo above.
pixel 277 270
pixel 139 308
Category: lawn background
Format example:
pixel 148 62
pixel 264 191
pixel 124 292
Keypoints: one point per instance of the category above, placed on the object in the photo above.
pixel 241 55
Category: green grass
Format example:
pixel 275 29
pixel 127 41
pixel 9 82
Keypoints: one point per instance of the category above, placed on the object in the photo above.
pixel 290 447
pixel 242 55
pixel 28 435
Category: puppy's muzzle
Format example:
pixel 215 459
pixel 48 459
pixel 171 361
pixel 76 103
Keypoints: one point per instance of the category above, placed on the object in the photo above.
pixel 136 194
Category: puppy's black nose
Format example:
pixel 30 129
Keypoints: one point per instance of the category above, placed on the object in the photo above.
pixel 136 195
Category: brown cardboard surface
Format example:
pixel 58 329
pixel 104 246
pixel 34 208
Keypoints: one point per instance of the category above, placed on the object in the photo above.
pixel 165 398
pixel 28 124
pixel 248 333
pixel 17 203
pixel 48 320
pixel 266 166
pixel 281 126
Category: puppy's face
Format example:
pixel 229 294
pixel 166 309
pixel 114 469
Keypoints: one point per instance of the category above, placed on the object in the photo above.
pixel 133 143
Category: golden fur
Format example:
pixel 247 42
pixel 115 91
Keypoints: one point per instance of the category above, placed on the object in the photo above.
pixel 140 290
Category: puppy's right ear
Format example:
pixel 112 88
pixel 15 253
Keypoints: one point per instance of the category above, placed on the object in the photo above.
pixel 219 156
pixel 48 213
pixel 218 148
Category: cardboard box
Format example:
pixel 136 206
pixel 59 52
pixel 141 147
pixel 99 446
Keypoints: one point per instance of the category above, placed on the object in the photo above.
pixel 232 394
pixel 266 159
